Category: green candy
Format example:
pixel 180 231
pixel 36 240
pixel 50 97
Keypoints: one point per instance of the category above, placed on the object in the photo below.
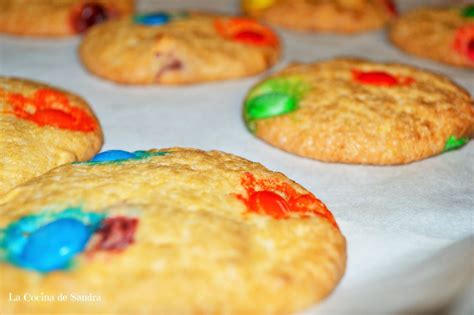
pixel 454 143
pixel 269 105
pixel 274 97
pixel 468 11
pixel 293 86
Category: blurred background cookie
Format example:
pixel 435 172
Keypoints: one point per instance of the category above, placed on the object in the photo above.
pixel 356 111
pixel 179 48
pixel 442 34
pixel 58 17
pixel 339 16
pixel 173 231
pixel 41 128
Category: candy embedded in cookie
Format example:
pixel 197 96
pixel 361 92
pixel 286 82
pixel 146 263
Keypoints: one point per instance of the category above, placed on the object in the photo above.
pixel 47 107
pixel 391 7
pixel 114 234
pixel 88 15
pixel 158 18
pixel 58 18
pixel 380 78
pixel 245 30
pixel 118 156
pixel 468 11
pixel 49 241
pixel 256 5
pixel 274 97
pixel 279 200
pixel 464 41
pixel 454 143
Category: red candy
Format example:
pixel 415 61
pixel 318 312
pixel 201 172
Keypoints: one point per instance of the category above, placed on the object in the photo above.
pixel 115 234
pixel 280 200
pixel 51 108
pixel 87 16
pixel 379 78
pixel 249 37
pixel 246 31
pixel 464 41
pixel 391 7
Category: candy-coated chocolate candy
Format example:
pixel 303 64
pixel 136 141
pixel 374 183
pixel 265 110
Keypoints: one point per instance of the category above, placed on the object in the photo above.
pixel 468 11
pixel 470 49
pixel 270 104
pixel 249 36
pixel 153 19
pixel 51 108
pixel 375 78
pixel 453 143
pixel 269 203
pixel 116 233
pixel 53 117
pixel 89 15
pixel 391 7
pixel 113 155
pixel 52 246
pixel 256 5
pixel 464 41
pixel 247 31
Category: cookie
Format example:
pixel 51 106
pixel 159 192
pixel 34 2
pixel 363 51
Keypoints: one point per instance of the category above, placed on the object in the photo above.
pixel 340 16
pixel 442 34
pixel 41 128
pixel 178 48
pixel 58 17
pixel 356 111
pixel 173 231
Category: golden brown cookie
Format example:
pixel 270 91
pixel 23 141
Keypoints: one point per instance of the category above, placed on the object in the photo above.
pixel 356 111
pixel 178 48
pixel 41 128
pixel 172 231
pixel 58 17
pixel 442 34
pixel 340 16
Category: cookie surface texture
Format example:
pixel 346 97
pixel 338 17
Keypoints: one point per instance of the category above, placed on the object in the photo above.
pixel 41 128
pixel 340 16
pixel 442 34
pixel 58 17
pixel 174 231
pixel 179 48
pixel 356 111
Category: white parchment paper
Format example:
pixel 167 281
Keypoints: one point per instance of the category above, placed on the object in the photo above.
pixel 409 228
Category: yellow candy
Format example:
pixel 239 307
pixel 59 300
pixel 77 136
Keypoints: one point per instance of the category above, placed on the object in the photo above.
pixel 256 5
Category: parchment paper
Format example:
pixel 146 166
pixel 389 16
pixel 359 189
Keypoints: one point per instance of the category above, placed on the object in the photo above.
pixel 409 228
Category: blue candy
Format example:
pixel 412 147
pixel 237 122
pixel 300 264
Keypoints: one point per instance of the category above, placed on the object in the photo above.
pixel 157 18
pixel 52 246
pixel 113 155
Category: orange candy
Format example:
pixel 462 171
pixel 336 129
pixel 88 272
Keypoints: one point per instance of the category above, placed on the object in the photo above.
pixel 51 108
pixel 268 202
pixel 247 31
pixel 280 200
